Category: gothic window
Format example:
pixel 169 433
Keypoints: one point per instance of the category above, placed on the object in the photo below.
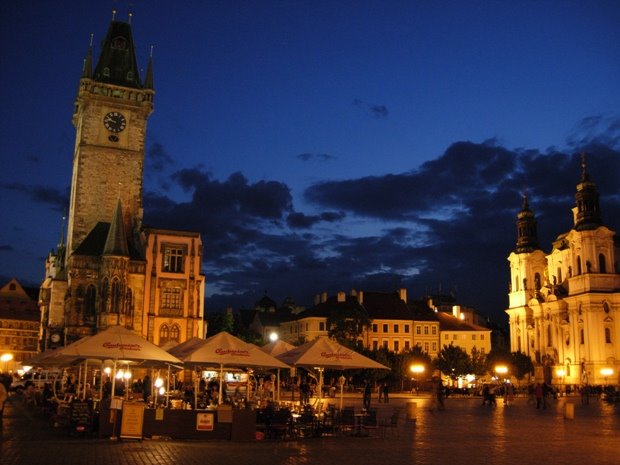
pixel 581 336
pixel 537 281
pixel 549 336
pixel 175 333
pixel 89 302
pixel 173 259
pixel 164 334
pixel 129 303
pixel 104 295
pixel 602 265
pixel 117 296
pixel 578 265
pixel 607 335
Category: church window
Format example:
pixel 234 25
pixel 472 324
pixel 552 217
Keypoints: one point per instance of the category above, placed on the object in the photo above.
pixel 116 296
pixel 549 336
pixel 104 295
pixel 174 333
pixel 582 336
pixel 164 334
pixel 605 307
pixel 173 259
pixel 607 335
pixel 89 302
pixel 106 71
pixel 537 281
pixel 602 265
pixel 578 266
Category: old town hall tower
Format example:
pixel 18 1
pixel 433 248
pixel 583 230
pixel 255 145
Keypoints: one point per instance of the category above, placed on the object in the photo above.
pixel 113 270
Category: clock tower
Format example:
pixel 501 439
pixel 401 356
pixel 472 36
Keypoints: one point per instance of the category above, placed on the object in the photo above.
pixel 110 118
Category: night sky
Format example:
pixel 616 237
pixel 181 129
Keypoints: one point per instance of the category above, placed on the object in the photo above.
pixel 328 145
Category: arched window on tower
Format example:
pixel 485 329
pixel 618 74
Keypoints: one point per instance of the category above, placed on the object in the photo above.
pixel 607 335
pixel 578 265
pixel 175 333
pixel 105 288
pixel 90 300
pixel 602 264
pixel 164 334
pixel 116 296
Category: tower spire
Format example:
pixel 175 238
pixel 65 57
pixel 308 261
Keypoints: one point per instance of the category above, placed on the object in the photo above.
pixel 116 241
pixel 587 213
pixel 527 234
pixel 148 79
pixel 117 62
pixel 87 66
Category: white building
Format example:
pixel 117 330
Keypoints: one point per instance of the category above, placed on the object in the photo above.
pixel 564 306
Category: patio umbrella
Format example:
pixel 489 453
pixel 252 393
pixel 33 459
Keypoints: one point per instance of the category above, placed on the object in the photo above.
pixel 224 350
pixel 324 352
pixel 276 348
pixel 119 344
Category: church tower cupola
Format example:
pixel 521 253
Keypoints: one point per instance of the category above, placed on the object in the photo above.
pixel 527 236
pixel 587 213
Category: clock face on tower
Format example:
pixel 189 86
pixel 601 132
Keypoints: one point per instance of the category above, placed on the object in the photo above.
pixel 114 122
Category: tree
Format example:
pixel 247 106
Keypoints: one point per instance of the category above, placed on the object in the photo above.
pixel 346 325
pixel 453 361
pixel 521 365
pixel 478 362
pixel 221 321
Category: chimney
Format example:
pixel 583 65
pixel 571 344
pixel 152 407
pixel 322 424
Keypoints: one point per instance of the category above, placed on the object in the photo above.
pixel 360 297
pixel 324 297
pixel 402 292
pixel 341 296
pixel 317 299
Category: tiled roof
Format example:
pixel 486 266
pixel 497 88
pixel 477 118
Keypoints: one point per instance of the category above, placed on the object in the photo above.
pixel 450 323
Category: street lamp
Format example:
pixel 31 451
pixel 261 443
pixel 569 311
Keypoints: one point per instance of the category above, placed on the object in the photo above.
pixel 5 359
pixel 273 336
pixel 606 372
pixel 417 369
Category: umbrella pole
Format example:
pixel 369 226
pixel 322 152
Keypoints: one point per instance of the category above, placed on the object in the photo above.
pixel 168 387
pixel 278 385
pixel 219 399
pixel 113 380
pixel 197 374
pixel 101 382
pixel 320 389
pixel 85 379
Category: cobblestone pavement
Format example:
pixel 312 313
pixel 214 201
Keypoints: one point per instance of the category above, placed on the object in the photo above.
pixel 465 432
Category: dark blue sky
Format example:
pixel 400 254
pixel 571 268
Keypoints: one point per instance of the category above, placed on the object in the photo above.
pixel 328 145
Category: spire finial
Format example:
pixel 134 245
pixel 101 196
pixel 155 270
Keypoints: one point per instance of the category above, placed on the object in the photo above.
pixel 151 52
pixel 584 173
pixel 130 16
pixel 113 15
pixel 526 204
pixel 91 39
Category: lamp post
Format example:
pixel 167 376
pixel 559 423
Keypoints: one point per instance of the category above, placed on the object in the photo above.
pixel 5 359
pixel 417 369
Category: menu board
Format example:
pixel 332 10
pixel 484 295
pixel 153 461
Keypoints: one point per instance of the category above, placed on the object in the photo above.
pixel 133 420
pixel 80 414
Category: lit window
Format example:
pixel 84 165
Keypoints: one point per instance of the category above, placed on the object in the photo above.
pixel 434 330
pixel 426 330
pixel 395 328
pixel 407 346
pixel 375 344
pixel 418 329
pixel 434 347
pixel 385 328
pixel 396 346
pixel 171 299
pixel 173 259
pixel 374 328
pixel 407 328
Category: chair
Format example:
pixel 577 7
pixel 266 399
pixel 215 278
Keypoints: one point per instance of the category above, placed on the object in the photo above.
pixel 280 424
pixel 370 422
pixel 391 423
pixel 347 419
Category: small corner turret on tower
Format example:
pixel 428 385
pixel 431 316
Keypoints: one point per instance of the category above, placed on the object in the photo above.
pixel 587 212
pixel 527 233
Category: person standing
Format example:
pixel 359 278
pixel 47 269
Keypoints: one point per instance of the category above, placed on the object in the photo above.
pixel 386 392
pixel 4 395
pixel 367 394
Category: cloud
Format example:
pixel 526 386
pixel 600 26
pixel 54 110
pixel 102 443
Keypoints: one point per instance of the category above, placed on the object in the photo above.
pixel 301 220
pixel 601 130
pixel 379 111
pixel 448 224
pixel 157 158
pixel 58 199
pixel 6 248
pixel 315 156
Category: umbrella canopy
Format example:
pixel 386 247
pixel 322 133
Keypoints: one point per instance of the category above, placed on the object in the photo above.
pixel 224 349
pixel 324 352
pixel 276 348
pixel 118 343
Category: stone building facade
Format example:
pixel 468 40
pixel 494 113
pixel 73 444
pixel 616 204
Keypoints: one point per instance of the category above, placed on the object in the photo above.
pixel 113 270
pixel 564 306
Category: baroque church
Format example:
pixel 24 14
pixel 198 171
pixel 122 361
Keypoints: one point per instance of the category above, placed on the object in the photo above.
pixel 564 306
pixel 112 269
